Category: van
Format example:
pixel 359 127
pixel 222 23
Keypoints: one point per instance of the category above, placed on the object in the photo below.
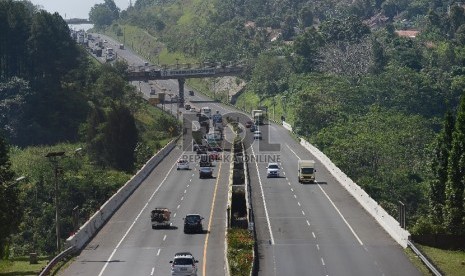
pixel 306 171
pixel 207 111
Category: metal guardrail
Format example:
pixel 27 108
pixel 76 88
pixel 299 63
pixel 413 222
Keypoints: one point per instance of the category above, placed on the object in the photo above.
pixel 48 268
pixel 424 259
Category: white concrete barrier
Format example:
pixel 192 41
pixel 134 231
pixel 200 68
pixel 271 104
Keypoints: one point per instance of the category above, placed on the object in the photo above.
pixel 287 126
pixel 91 227
pixel 390 224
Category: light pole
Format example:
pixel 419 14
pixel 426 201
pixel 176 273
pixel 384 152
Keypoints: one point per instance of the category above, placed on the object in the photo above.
pixel 177 108
pixel 16 181
pixel 274 104
pixel 284 98
pixel 53 158
pixel 171 103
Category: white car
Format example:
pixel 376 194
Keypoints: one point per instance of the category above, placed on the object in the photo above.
pixel 183 264
pixel 182 164
pixel 257 135
pixel 272 170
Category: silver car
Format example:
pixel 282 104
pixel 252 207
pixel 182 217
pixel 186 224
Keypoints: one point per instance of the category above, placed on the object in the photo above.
pixel 184 264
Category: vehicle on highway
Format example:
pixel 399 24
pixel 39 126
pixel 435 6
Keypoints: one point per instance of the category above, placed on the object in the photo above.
pixel 183 264
pixel 207 111
pixel 253 128
pixel 182 164
pixel 257 135
pixel 205 172
pixel 200 149
pixel 217 149
pixel 272 170
pixel 160 217
pixel 248 124
pixel 193 223
pixel 257 116
pixel 306 171
pixel 214 155
pixel 205 160
pixel 191 93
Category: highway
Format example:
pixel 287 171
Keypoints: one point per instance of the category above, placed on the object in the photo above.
pixel 127 245
pixel 302 229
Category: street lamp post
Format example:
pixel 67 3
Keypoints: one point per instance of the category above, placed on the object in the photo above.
pixel 53 158
pixel 284 104
pixel 177 108
pixel 274 104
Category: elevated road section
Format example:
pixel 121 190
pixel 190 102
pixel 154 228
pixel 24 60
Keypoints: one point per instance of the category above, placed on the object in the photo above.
pixel 181 72
pixel 150 72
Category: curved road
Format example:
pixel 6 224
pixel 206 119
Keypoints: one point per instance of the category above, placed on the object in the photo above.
pixel 302 229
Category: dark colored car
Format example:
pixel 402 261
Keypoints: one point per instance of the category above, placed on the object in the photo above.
pixel 205 172
pixel 191 93
pixel 253 128
pixel 248 124
pixel 217 149
pixel 193 224
pixel 205 161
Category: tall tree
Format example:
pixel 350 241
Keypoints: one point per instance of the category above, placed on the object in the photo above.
pixel 454 208
pixel 439 165
pixel 306 48
pixel 104 14
pixel 10 214
pixel 120 136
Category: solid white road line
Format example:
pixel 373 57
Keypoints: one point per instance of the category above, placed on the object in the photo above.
pixel 264 202
pixel 134 222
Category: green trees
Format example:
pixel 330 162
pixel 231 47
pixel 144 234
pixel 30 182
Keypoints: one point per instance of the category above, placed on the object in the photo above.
pixel 120 138
pixel 382 151
pixel 306 48
pixel 37 57
pixel 104 14
pixel 454 208
pixel 10 211
pixel 446 194
pixel 439 167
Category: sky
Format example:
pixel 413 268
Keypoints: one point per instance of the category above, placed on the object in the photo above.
pixel 75 8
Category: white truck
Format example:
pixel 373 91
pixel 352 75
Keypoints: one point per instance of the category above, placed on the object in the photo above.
pixel 160 217
pixel 306 171
pixel 257 116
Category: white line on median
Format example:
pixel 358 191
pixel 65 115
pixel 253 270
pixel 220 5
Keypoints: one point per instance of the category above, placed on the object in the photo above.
pixel 134 222
pixel 263 197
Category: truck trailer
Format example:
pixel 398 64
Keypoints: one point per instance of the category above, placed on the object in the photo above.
pixel 160 217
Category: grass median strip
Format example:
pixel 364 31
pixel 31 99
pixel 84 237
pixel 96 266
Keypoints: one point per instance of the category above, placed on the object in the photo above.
pixel 240 251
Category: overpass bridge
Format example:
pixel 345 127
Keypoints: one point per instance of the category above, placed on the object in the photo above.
pixel 181 72
pixel 76 21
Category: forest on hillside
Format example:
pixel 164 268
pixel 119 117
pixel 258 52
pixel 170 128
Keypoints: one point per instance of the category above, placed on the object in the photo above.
pixel 55 98
pixel 347 77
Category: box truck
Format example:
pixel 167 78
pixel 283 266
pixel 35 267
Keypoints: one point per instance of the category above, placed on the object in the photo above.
pixel 306 171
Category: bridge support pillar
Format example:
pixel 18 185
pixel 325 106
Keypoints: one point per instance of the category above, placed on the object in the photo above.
pixel 181 82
